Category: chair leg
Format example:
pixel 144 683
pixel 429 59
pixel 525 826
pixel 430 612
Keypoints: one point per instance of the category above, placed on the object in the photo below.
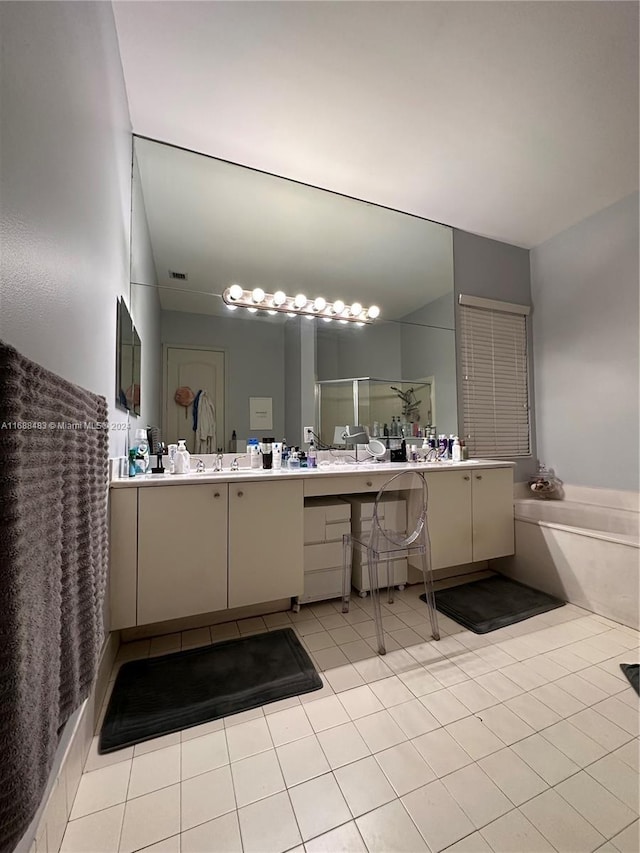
pixel 390 578
pixel 430 596
pixel 347 555
pixel 375 600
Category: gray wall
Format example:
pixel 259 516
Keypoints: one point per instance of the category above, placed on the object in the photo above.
pixel 65 186
pixel 255 361
pixel 495 270
pixel 293 389
pixel 399 351
pixel 145 310
pixel 430 350
pixel 585 328
pixel 345 352
pixel 65 178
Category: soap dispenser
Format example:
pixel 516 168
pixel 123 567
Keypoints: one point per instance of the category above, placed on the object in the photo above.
pixel 182 460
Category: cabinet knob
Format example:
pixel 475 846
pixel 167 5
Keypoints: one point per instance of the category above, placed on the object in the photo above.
pixel 240 494
pixel 478 476
pixel 369 483
pixel 216 494
pixel 466 477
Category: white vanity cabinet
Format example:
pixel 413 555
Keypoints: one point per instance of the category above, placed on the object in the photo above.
pixel 470 515
pixel 449 518
pixel 492 513
pixel 266 532
pixel 183 573
pixel 180 550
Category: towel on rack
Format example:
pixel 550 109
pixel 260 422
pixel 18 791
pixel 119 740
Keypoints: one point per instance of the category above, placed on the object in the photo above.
pixel 53 573
pixel 206 430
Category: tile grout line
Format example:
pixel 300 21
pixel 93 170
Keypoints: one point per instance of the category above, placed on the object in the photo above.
pixel 450 657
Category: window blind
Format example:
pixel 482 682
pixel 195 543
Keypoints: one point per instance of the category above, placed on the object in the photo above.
pixel 495 382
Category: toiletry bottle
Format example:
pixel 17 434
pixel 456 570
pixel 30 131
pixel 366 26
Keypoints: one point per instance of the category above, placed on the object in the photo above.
pixel 233 444
pixel 171 452
pixel 254 453
pixel 285 452
pixel 385 431
pixel 266 448
pixel 443 445
pixel 182 459
pixel 312 456
pixel 132 462
pixel 142 451
pixel 456 452
pixel 294 460
pixel 277 456
pixel 452 438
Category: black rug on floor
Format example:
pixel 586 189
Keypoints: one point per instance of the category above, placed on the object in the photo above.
pixel 160 695
pixel 632 671
pixel 491 603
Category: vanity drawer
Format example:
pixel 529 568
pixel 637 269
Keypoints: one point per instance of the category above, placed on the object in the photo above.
pixel 344 484
pixel 326 519
pixel 322 585
pixel 328 555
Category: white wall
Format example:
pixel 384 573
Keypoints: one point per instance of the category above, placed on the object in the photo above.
pixel 585 331
pixel 65 190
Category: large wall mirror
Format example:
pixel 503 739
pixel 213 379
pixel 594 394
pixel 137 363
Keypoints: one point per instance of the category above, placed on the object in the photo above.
pixel 207 224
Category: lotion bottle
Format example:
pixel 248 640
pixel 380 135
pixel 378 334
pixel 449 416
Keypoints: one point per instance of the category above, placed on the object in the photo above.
pixel 456 452
pixel 277 456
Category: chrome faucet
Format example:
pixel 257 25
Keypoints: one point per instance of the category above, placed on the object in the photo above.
pixel 218 463
pixel 200 466
pixel 234 464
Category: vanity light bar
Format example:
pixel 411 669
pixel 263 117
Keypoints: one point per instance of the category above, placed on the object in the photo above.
pixel 237 296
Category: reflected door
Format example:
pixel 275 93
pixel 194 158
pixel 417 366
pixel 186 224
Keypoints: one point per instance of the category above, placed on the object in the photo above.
pixel 199 369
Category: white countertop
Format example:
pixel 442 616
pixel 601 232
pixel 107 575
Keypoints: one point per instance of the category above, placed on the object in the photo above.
pixel 332 470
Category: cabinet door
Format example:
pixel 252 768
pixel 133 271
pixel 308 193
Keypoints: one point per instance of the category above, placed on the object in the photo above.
pixel 182 551
pixel 265 541
pixel 449 518
pixel 492 507
pixel 123 506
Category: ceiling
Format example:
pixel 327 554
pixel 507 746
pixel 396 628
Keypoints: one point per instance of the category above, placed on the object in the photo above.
pixel 219 223
pixel 512 120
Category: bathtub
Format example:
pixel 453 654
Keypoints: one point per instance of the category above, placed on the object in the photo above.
pixel 586 553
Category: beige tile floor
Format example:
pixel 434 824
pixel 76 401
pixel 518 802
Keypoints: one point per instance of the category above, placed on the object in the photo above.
pixel 525 739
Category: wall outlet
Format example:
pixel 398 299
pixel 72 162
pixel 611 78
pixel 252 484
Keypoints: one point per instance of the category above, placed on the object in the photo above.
pixel 308 434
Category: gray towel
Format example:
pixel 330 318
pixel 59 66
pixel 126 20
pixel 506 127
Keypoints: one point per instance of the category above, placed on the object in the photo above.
pixel 53 571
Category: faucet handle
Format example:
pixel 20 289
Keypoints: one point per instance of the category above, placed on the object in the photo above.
pixel 218 463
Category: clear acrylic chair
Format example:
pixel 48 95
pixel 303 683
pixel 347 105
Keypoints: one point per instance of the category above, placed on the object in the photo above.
pixel 381 545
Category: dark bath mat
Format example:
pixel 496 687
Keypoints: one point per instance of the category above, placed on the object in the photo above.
pixel 491 603
pixel 632 671
pixel 157 696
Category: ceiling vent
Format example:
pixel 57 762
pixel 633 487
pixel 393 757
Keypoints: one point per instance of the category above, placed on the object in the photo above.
pixel 178 276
